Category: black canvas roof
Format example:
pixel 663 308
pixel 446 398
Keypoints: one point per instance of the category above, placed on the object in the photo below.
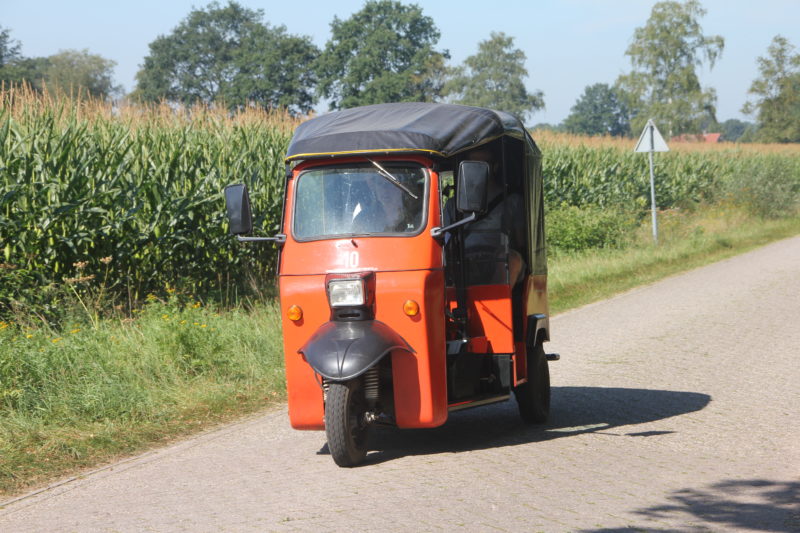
pixel 437 129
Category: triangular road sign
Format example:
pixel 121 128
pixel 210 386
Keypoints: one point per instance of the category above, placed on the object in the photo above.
pixel 651 142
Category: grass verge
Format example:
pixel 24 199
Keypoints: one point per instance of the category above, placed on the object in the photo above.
pixel 686 241
pixel 98 390
pixel 85 395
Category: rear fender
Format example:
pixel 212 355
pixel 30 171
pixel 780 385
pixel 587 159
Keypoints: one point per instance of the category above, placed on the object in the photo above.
pixel 344 350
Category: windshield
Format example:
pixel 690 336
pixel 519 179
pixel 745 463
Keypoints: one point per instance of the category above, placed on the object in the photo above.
pixel 357 200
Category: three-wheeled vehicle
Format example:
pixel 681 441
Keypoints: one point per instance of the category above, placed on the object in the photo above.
pixel 412 269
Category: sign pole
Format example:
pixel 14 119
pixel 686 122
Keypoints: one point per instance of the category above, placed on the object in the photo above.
pixel 653 188
pixel 651 141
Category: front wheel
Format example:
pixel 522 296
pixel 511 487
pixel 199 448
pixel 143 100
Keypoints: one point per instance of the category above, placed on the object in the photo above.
pixel 533 396
pixel 345 422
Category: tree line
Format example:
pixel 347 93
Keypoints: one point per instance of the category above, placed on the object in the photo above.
pixel 663 84
pixel 387 52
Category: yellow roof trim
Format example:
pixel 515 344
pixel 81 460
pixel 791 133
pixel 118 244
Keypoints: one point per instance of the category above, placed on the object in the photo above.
pixel 372 151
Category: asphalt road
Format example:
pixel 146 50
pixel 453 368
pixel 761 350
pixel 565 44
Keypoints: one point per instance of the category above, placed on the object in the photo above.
pixel 676 407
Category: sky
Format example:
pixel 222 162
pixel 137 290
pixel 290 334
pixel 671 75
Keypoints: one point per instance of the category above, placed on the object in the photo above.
pixel 569 44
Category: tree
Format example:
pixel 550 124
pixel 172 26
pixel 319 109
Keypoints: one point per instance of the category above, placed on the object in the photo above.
pixel 69 71
pixel 601 110
pixel 383 53
pixel 665 54
pixel 733 129
pixel 494 78
pixel 777 92
pixel 228 54
pixel 9 48
pixel 14 68
pixel 79 72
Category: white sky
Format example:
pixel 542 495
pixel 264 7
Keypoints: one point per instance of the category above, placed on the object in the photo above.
pixel 569 43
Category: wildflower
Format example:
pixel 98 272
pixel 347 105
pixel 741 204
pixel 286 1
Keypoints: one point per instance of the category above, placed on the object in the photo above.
pixel 8 266
pixel 204 326
pixel 80 279
pixel 196 323
pixel 29 335
pixel 3 325
pixel 165 316
pixel 170 290
pixel 183 322
pixel 80 265
pixel 76 330
pixel 196 305
pixel 105 260
pixel 152 297
pixel 56 340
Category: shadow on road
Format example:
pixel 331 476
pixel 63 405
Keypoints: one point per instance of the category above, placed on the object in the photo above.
pixel 574 410
pixel 752 505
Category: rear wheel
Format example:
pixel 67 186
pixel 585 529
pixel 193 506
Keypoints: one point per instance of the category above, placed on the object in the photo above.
pixel 345 422
pixel 533 396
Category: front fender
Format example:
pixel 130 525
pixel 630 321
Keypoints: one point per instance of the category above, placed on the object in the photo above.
pixel 344 350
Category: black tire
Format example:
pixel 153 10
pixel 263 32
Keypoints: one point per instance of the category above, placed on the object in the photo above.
pixel 533 396
pixel 345 425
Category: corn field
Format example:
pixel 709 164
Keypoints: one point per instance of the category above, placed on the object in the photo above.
pixel 139 188
pixel 582 171
pixel 130 198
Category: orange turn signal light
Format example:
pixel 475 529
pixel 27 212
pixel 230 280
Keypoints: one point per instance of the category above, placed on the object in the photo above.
pixel 411 308
pixel 294 313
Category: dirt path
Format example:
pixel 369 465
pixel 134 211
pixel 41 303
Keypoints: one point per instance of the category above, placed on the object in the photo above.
pixel 675 407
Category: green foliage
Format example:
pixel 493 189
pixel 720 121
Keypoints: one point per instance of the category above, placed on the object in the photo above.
pixel 734 130
pixel 382 53
pixel 16 69
pixel 142 191
pixel 777 92
pixel 9 48
pixel 665 54
pixel 572 228
pixel 227 54
pixel 82 394
pixel 768 186
pixel 599 111
pixel 608 177
pixel 75 72
pixel 81 73
pixel 30 71
pixel 494 77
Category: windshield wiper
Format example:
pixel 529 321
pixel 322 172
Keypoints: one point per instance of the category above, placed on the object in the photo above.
pixel 385 173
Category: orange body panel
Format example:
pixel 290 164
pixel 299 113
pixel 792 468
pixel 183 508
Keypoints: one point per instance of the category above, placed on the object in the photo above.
pixel 304 391
pixel 490 326
pixel 405 268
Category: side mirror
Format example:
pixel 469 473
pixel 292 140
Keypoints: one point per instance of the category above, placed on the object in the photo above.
pixel 237 202
pixel 473 182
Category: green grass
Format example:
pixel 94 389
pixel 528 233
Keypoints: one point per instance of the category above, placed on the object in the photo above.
pixel 580 278
pixel 78 397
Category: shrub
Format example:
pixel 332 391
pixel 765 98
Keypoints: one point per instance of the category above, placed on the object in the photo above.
pixel 571 228
pixel 767 186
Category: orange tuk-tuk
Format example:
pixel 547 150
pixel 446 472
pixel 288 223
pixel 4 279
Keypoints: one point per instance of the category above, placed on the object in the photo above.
pixel 412 269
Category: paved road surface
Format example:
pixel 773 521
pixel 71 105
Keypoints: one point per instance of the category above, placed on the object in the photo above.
pixel 676 407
